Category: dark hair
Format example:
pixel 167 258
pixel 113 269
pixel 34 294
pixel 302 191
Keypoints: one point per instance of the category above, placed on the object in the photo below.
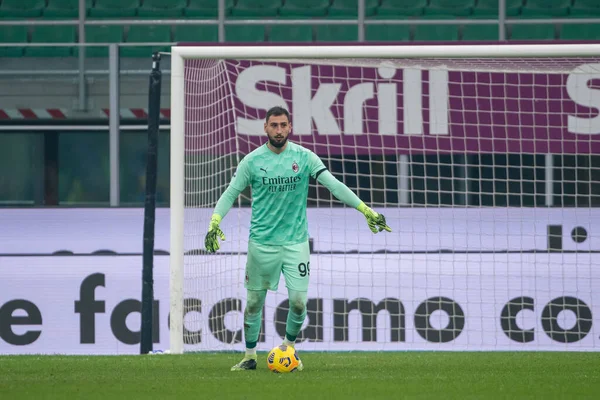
pixel 277 111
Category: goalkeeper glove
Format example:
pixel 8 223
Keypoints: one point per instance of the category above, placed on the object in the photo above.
pixel 375 220
pixel 211 241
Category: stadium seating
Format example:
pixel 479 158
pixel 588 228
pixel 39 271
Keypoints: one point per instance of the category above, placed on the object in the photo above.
pixel 490 8
pixel 114 9
pixel 146 33
pixel 245 33
pixel 162 8
pixel 458 8
pixel 349 8
pixel 336 33
pixel 384 33
pixel 580 32
pixel 203 9
pixel 480 32
pixel 584 12
pixel 200 33
pixel 400 8
pixel 101 34
pixel 64 8
pixel 532 32
pixel 52 34
pixel 304 8
pixel 444 33
pixel 554 8
pixel 296 9
pixel 585 8
pixel 295 33
pixel 14 9
pixel 12 34
pixel 256 8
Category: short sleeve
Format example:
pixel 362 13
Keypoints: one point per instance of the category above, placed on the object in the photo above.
pixel 241 177
pixel 315 165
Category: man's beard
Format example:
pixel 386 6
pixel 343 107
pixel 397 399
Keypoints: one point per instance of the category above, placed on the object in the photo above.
pixel 277 145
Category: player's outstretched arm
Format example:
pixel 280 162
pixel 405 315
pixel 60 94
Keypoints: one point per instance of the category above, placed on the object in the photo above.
pixel 238 182
pixel 375 220
pixel 211 241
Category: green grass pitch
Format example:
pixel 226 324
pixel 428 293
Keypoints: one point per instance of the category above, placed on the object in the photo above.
pixel 391 375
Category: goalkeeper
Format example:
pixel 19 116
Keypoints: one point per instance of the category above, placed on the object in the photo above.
pixel 278 173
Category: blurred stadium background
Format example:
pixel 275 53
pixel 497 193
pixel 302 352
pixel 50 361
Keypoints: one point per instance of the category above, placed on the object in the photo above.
pixel 55 136
pixel 73 151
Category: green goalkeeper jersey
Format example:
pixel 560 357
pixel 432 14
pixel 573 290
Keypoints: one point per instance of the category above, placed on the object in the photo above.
pixel 279 185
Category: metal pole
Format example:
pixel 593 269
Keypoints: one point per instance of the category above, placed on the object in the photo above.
pixel 549 180
pixel 114 121
pixel 81 99
pixel 221 17
pixel 501 19
pixel 148 317
pixel 361 20
pixel 51 167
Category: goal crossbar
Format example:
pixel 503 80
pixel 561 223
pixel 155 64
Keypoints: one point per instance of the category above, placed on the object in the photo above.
pixel 391 51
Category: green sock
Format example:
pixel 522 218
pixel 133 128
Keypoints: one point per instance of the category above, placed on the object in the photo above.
pixel 296 314
pixel 289 340
pixel 253 316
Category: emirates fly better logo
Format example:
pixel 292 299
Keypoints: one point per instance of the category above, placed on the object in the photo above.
pixel 295 167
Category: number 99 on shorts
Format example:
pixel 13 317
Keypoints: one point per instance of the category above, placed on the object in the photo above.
pixel 304 269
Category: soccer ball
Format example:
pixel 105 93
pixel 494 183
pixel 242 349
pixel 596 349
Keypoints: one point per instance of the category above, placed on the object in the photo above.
pixel 283 359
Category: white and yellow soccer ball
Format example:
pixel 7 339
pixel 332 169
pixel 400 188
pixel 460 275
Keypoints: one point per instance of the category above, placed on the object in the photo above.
pixel 283 359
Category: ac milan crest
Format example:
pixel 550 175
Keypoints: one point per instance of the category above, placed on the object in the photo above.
pixel 295 167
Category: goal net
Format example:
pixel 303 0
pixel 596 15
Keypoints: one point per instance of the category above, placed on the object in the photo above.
pixel 487 168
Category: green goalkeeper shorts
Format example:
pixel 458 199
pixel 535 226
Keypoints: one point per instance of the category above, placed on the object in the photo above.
pixel 265 264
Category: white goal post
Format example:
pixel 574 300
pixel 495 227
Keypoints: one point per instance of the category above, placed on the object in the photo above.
pixel 477 261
